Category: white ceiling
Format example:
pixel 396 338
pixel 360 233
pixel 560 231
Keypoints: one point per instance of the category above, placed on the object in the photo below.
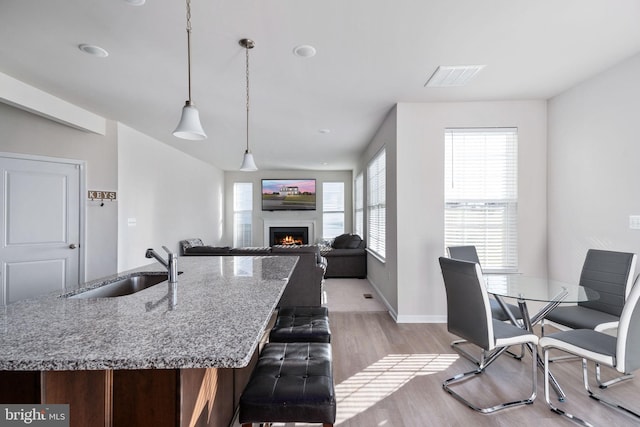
pixel 371 54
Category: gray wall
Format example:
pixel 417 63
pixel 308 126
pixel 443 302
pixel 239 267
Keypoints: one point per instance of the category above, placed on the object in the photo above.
pixel 25 133
pixel 260 216
pixel 383 275
pixel 594 154
pixel 170 195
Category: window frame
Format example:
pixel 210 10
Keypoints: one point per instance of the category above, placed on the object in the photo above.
pixel 376 205
pixel 334 209
pixel 358 205
pixel 247 235
pixel 481 194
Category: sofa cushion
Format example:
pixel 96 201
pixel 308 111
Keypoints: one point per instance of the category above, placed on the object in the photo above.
pixel 347 241
pixel 296 249
pixel 355 242
pixel 249 251
pixel 341 241
pixel 207 250
pixel 343 252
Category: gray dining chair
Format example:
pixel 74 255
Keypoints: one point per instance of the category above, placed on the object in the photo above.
pixel 469 317
pixel 610 274
pixel 621 353
pixel 469 253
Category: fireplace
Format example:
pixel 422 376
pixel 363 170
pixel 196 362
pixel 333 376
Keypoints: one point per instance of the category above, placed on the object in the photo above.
pixel 288 236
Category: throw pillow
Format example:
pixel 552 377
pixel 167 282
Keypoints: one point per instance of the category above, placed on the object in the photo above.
pixel 190 243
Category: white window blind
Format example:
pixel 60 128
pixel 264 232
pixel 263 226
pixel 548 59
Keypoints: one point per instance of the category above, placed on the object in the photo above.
pixel 376 204
pixel 242 213
pixel 481 194
pixel 332 209
pixel 358 200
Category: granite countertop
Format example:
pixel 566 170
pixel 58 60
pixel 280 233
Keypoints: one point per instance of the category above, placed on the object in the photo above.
pixel 215 319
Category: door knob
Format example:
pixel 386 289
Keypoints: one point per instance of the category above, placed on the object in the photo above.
pixel 72 246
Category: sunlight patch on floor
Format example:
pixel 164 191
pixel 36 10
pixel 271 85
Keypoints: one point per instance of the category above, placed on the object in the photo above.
pixel 374 383
pixel 379 380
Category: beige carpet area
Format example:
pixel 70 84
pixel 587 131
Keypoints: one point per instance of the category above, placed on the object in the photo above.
pixel 351 295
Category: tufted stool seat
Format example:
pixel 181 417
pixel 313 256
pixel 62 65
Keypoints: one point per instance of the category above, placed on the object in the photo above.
pixel 292 382
pixel 301 324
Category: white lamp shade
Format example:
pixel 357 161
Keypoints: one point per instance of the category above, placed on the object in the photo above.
pixel 248 164
pixel 189 126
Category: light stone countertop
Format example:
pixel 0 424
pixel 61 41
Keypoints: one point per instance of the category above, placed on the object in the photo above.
pixel 222 306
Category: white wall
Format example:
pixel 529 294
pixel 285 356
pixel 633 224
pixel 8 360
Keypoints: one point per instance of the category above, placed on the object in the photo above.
pixel 26 133
pixel 171 196
pixel 259 216
pixel 594 169
pixel 415 197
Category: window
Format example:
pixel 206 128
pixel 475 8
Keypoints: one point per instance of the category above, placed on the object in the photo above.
pixel 481 194
pixel 332 209
pixel 242 213
pixel 376 204
pixel 358 226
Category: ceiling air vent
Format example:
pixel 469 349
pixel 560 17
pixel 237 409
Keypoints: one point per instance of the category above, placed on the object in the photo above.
pixel 453 75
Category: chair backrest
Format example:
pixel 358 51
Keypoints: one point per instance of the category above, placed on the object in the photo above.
pixel 611 275
pixel 628 344
pixel 468 309
pixel 465 253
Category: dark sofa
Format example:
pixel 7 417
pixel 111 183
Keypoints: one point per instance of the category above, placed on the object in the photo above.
pixel 346 257
pixel 306 281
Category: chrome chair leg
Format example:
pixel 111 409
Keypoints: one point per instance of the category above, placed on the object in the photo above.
pixel 585 381
pixel 457 346
pixel 613 381
pixel 599 397
pixel 548 400
pixel 601 384
pixel 485 361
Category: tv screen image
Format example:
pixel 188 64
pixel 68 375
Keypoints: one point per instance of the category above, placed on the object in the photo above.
pixel 288 194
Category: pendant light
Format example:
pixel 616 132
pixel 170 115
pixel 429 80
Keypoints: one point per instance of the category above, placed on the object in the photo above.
pixel 189 126
pixel 248 164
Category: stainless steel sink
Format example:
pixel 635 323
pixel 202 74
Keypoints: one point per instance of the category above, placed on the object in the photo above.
pixel 124 286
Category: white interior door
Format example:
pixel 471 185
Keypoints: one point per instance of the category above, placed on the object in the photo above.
pixel 40 236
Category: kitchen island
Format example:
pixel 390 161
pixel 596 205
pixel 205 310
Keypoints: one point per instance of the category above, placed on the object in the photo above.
pixel 160 356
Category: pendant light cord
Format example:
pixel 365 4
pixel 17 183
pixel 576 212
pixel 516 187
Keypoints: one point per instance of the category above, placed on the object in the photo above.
pixel 247 77
pixel 189 46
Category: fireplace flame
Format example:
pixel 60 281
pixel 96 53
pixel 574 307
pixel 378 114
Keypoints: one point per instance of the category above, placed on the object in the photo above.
pixel 290 240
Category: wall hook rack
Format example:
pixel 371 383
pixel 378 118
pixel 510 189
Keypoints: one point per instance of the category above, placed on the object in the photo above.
pixel 101 196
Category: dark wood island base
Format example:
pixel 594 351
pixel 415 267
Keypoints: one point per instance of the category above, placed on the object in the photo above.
pixel 195 397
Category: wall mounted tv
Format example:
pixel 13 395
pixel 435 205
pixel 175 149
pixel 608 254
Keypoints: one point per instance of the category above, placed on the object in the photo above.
pixel 288 194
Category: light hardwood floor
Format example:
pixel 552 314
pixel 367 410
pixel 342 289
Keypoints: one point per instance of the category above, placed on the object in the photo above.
pixel 390 375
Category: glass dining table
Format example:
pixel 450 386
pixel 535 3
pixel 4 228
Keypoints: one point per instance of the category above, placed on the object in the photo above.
pixel 549 293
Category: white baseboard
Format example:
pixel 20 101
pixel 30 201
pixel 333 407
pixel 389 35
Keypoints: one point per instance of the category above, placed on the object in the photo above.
pixel 421 319
pixel 406 319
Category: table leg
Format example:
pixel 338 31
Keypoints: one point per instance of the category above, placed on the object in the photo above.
pixel 528 323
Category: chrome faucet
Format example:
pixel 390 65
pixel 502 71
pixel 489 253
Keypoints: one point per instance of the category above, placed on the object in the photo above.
pixel 171 264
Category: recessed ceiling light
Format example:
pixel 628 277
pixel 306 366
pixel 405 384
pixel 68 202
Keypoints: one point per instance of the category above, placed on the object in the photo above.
pixel 453 75
pixel 304 51
pixel 93 50
pixel 135 2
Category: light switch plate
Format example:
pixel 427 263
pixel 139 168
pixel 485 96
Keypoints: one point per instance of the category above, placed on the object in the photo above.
pixel 131 222
pixel 634 222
